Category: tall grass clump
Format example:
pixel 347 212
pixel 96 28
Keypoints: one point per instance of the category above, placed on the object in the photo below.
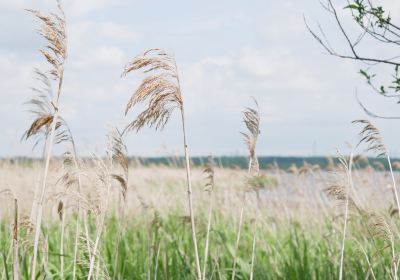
pixel 371 136
pixel 251 119
pixel 341 193
pixel 55 52
pixel 162 90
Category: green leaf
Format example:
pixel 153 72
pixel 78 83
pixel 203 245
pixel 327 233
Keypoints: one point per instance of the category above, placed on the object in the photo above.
pixel 352 6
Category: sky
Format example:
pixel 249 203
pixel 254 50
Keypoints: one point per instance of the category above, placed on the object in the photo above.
pixel 227 51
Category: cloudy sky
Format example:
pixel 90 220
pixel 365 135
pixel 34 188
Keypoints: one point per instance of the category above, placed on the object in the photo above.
pixel 226 51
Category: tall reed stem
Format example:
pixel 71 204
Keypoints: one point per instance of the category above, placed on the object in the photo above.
pixel 394 185
pixel 253 251
pixel 77 229
pixel 62 245
pixel 43 190
pixel 238 237
pixel 190 200
pixel 346 211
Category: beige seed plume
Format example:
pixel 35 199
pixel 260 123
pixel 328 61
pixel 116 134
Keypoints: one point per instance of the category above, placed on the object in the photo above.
pixel 70 176
pixel 251 118
pixel 42 107
pixel 117 152
pixel 53 31
pixel 339 193
pixel 161 89
pixel 37 124
pixel 379 228
pixel 209 172
pixel 372 137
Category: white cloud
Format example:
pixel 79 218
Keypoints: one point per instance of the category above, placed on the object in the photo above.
pixel 115 31
pixel 102 56
pixel 268 74
pixel 83 7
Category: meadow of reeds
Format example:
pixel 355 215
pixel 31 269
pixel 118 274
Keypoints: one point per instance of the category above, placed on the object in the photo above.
pixel 299 229
pixel 108 217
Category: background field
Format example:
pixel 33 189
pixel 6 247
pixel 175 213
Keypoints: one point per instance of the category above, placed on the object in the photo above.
pixel 298 229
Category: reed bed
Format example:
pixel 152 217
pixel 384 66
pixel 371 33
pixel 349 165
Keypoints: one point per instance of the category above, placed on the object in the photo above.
pixel 103 218
pixel 298 226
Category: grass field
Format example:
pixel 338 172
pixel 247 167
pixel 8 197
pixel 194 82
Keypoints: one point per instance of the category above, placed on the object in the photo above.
pixel 298 230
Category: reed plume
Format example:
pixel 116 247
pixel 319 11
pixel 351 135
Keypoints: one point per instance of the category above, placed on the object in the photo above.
pixel 340 194
pixel 251 118
pixel 371 136
pixel 41 106
pixel 162 91
pixel 117 153
pixel 380 229
pixel 53 30
pixel 43 111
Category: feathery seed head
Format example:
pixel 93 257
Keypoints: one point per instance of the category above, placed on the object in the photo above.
pixel 117 152
pixel 372 137
pixel 251 119
pixel 209 172
pixel 161 89
pixel 53 31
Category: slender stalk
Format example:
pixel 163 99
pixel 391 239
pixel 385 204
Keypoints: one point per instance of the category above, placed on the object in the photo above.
pixel 46 257
pixel 350 184
pixel 32 217
pixel 92 259
pixel 394 185
pixel 250 164
pixel 394 261
pixel 253 253
pixel 149 251
pixel 216 260
pixel 98 267
pixel 189 191
pixel 208 235
pixel 62 245
pixel 119 237
pixel 395 264
pixel 157 257
pixel 15 242
pixel 34 204
pixel 43 190
pixel 77 230
pixel 370 270
pixel 238 238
